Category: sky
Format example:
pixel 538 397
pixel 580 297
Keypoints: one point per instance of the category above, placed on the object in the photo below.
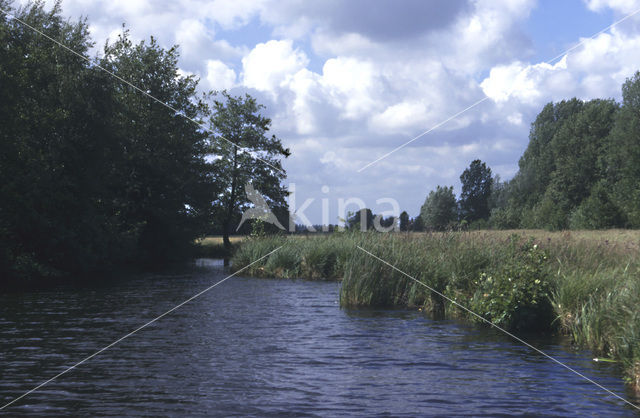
pixel 346 82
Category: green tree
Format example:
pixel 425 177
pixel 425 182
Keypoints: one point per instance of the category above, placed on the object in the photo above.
pixel 538 161
pixel 597 211
pixel 404 221
pixel 476 191
pixel 95 174
pixel 565 159
pixel 244 153
pixel 536 166
pixel 577 150
pixel 362 220
pixel 416 224
pixel 53 176
pixel 165 184
pixel 624 153
pixel 439 209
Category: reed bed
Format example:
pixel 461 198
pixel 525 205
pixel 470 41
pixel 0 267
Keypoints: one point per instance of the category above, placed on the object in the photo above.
pixel 585 284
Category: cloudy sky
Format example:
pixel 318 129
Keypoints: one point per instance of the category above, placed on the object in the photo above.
pixel 345 82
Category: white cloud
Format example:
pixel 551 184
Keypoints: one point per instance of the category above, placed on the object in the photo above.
pixel 230 14
pixel 271 64
pixel 219 76
pixel 491 34
pixel 345 82
pixel 308 97
pixel 515 118
pixel 624 6
pixel 351 85
pixel 594 70
pixel 399 116
pixel 518 80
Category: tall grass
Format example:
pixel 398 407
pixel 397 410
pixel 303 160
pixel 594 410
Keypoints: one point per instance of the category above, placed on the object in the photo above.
pixel 314 258
pixel 585 284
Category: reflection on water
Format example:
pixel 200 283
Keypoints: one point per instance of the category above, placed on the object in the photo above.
pixel 273 347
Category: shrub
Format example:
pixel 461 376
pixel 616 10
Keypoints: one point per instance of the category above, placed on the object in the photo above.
pixel 516 295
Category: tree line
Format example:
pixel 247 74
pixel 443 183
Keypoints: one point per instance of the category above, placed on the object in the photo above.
pixel 580 170
pixel 98 174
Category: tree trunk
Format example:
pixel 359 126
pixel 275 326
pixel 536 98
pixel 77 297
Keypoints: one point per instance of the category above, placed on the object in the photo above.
pixel 225 237
pixel 231 204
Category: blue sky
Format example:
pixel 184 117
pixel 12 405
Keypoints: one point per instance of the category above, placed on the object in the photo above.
pixel 347 81
pixel 550 32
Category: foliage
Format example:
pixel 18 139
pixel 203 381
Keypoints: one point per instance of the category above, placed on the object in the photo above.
pixel 94 173
pixel 623 156
pixel 99 175
pixel 404 221
pixel 361 220
pixel 320 257
pixel 165 181
pixel 476 190
pixel 516 295
pixel 439 209
pixel 580 169
pixel 597 211
pixel 244 153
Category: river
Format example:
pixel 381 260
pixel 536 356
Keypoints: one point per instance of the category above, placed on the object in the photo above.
pixel 274 348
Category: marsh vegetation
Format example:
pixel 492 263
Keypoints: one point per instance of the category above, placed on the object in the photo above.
pixel 584 284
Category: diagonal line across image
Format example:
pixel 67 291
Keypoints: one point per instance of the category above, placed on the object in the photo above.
pixel 68 369
pixel 263 257
pixel 483 319
pixel 454 116
pixel 133 86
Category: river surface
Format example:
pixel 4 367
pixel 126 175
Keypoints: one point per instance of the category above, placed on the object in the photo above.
pixel 260 347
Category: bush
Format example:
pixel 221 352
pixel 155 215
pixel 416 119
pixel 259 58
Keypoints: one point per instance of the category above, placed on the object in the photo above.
pixel 516 295
pixel 597 211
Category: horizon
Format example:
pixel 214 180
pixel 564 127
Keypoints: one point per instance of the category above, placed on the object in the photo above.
pixel 344 88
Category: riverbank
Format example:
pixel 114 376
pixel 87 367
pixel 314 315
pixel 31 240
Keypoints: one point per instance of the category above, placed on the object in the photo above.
pixel 584 284
pixel 213 247
pixel 283 346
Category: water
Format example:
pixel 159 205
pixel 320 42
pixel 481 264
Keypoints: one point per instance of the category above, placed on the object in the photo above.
pixel 274 347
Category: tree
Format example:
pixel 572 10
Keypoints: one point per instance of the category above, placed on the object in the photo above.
pixel 382 224
pixel 476 190
pixel 51 174
pixel 95 174
pixel 362 219
pixel 569 153
pixel 439 209
pixel 165 184
pixel 416 224
pixel 538 161
pixel 244 153
pixel 597 211
pixel 537 164
pixel 404 221
pixel 624 153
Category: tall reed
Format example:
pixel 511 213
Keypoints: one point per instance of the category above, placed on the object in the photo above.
pixel 585 284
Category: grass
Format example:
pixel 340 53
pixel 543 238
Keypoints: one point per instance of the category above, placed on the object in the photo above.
pixel 314 258
pixel 582 283
pixel 213 247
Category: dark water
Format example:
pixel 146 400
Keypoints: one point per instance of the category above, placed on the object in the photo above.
pixel 274 347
